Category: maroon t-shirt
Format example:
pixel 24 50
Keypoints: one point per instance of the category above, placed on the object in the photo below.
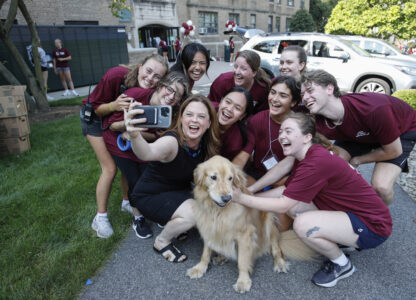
pixel 259 140
pixel 370 118
pixel 110 137
pixel 232 142
pixel 108 89
pixel 332 184
pixel 61 53
pixel 162 44
pixel 223 83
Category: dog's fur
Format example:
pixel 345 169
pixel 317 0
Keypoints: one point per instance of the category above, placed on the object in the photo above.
pixel 233 230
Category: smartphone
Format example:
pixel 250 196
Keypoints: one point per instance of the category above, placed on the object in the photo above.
pixel 157 116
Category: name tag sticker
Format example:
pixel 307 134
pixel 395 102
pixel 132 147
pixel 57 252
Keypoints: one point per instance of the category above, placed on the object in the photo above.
pixel 269 163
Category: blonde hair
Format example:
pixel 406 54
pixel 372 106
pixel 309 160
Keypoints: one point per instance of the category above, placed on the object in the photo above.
pixel 211 138
pixel 131 78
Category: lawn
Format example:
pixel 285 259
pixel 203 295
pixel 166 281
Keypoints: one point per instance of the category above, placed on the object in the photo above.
pixel 47 202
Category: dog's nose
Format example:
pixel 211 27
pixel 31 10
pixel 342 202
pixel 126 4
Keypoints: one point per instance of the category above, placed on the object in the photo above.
pixel 226 198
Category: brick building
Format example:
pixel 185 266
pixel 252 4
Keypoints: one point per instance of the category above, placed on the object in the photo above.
pixel 150 20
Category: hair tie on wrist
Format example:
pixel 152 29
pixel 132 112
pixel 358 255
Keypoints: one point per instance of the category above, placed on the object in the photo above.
pixel 121 145
pixel 111 107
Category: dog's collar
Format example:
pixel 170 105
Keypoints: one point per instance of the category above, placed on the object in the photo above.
pixel 190 153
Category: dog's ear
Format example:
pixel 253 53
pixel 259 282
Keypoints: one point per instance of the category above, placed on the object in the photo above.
pixel 199 174
pixel 239 178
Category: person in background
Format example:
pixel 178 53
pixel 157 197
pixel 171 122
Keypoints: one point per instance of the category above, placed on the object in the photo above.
pixel 43 65
pixel 293 61
pixel 178 46
pixel 163 47
pixel 232 46
pixel 193 61
pixel 247 74
pixel 107 98
pixel 61 57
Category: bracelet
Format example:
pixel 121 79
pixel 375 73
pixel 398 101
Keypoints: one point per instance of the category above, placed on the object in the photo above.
pixel 110 106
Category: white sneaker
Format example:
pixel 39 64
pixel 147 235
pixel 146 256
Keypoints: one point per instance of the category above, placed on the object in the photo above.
pixel 127 208
pixel 74 92
pixel 49 98
pixel 102 226
pixel 66 93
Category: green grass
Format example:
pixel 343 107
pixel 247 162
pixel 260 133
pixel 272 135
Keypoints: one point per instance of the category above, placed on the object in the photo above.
pixel 67 102
pixel 47 202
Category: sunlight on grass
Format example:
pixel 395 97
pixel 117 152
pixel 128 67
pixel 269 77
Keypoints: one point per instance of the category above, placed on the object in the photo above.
pixel 47 203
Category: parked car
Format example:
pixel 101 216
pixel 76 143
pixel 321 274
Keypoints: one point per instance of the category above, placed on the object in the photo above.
pixel 379 48
pixel 354 68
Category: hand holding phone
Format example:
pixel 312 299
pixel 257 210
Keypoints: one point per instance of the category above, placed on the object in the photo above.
pixel 156 116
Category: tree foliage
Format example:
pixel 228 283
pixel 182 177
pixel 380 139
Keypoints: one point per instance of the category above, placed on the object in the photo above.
pixel 376 18
pixel 321 11
pixel 116 6
pixel 302 21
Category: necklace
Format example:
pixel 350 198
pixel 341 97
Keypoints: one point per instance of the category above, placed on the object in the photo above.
pixel 190 153
pixel 335 124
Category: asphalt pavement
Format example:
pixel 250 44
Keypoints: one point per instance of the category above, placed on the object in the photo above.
pixel 135 271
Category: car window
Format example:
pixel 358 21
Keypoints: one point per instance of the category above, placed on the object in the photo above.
pixel 266 46
pixel 325 49
pixel 374 47
pixel 284 43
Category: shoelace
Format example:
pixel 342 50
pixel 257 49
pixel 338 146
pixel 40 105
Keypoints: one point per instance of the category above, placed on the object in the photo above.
pixel 328 267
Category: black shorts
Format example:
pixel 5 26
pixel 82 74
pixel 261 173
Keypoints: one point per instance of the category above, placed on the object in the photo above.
pixel 160 207
pixel 43 69
pixel 407 139
pixel 92 129
pixel 165 49
pixel 132 170
pixel 231 50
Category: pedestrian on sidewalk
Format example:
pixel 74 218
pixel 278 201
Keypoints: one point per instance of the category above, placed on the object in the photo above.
pixel 61 58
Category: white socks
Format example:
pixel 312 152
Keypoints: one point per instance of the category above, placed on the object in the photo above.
pixel 342 260
pixel 102 214
pixel 125 202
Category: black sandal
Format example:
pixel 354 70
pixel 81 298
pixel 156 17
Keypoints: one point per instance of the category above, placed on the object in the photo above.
pixel 174 251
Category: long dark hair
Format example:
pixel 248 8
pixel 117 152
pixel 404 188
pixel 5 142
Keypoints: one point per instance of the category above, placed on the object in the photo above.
pixel 249 110
pixel 186 56
pixel 291 84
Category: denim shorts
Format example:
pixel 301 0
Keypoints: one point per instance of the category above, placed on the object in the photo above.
pixel 367 238
pixel 407 139
pixel 92 129
pixel 61 69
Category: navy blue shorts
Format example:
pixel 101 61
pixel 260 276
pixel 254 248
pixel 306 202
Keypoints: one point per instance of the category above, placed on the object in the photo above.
pixel 407 139
pixel 367 239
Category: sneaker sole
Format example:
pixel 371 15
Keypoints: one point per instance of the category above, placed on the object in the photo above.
pixel 139 236
pixel 335 281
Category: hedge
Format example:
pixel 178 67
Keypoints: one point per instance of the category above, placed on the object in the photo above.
pixel 407 95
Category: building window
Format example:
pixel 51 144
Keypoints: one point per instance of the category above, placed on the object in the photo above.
pixel 234 17
pixel 278 24
pixel 302 4
pixel 288 24
pixel 253 21
pixel 208 20
pixel 290 2
pixel 81 22
pixel 278 2
pixel 271 2
pixel 270 24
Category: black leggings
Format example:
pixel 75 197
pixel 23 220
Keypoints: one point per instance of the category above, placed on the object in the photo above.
pixel 132 170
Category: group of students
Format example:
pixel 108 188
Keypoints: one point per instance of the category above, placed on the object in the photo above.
pixel 260 126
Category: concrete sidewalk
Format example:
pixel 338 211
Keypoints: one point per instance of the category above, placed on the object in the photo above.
pixel 388 272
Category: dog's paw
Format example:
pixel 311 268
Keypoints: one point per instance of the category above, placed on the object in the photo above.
pixel 242 285
pixel 219 260
pixel 281 265
pixel 196 272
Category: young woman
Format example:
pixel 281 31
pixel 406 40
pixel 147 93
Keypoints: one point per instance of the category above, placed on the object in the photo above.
pixel 107 98
pixel 61 57
pixel 232 47
pixel 293 61
pixel 163 194
pixel 193 61
pixel 247 74
pixel 171 90
pixel 330 201
pixel 164 49
pixel 233 111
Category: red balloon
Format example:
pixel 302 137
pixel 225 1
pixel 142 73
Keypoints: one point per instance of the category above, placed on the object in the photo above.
pixel 186 32
pixel 184 24
pixel 191 28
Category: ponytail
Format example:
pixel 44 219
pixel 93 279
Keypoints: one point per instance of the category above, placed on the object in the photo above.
pixel 323 141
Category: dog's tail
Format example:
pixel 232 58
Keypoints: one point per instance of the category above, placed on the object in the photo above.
pixel 293 247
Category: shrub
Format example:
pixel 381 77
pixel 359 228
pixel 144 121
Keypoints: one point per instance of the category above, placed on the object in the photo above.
pixel 407 95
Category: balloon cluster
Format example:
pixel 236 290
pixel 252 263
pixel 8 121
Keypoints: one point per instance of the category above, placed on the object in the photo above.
pixel 230 25
pixel 187 28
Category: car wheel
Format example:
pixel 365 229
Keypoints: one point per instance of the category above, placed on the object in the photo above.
pixel 374 85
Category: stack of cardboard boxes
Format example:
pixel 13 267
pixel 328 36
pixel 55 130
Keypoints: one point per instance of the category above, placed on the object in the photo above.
pixel 14 122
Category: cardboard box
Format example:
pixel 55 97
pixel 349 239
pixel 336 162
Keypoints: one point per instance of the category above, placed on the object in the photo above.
pixel 16 145
pixel 14 127
pixel 12 90
pixel 12 106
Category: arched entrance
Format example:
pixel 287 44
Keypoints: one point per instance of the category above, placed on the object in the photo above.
pixel 150 35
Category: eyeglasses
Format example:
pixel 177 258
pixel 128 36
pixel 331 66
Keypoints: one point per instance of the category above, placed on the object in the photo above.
pixel 172 91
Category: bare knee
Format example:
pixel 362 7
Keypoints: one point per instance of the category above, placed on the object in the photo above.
pixel 385 192
pixel 301 225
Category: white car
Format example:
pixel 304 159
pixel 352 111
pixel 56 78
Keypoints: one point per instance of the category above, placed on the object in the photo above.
pixel 379 48
pixel 354 68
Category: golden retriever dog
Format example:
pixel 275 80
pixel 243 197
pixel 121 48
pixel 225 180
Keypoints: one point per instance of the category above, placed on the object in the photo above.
pixel 233 230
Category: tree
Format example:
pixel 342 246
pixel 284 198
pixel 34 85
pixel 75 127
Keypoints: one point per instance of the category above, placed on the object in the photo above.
pixel 302 21
pixel 35 84
pixel 321 11
pixel 376 18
